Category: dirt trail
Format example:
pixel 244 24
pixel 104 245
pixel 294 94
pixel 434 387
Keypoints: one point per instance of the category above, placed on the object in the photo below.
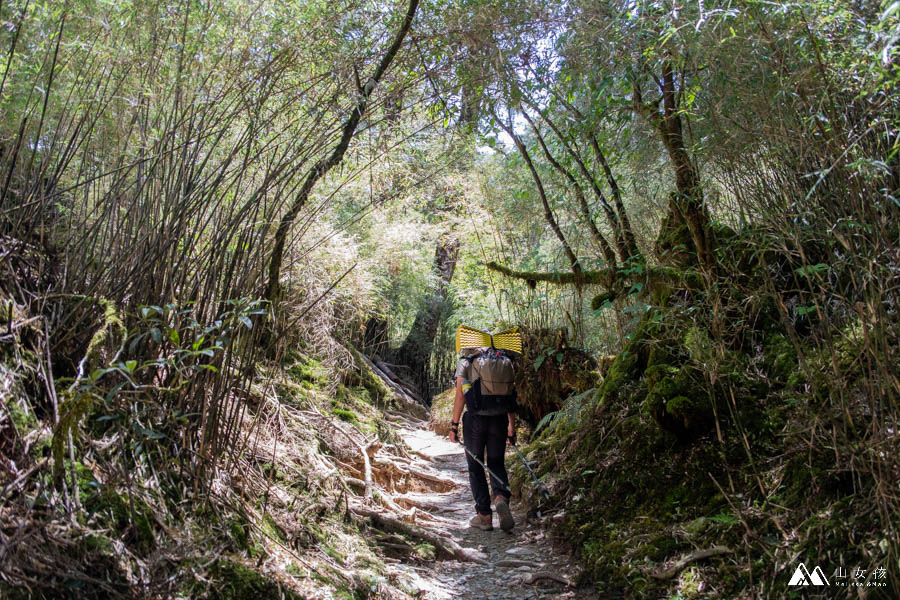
pixel 510 559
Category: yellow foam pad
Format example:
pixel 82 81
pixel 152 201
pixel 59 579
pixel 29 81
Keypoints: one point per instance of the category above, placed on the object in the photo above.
pixel 469 337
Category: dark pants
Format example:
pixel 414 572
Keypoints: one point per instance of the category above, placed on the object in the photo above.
pixel 482 434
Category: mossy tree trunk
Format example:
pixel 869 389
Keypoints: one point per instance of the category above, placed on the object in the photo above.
pixel 686 206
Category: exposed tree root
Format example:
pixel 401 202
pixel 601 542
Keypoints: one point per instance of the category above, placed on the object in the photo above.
pixel 513 563
pixel 444 545
pixel 537 576
pixel 686 560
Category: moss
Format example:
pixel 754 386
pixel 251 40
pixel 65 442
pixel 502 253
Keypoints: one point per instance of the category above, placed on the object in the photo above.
pixel 780 357
pixel 600 300
pixel 84 477
pixel 132 517
pixel 22 419
pixel 363 376
pixel 622 370
pixel 674 244
pixel 689 583
pixel 235 581
pixel 96 543
pixel 344 415
pixel 308 370
pixel 239 528
pixel 674 402
pixel 690 414
pixel 271 529
pixel 442 411
pixel 425 551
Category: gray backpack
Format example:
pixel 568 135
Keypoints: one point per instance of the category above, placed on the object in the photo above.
pixel 493 389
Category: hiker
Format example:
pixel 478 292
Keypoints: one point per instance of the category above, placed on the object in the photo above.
pixel 484 386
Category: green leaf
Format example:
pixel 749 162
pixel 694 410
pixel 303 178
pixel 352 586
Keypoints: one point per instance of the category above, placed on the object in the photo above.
pixel 724 518
pixel 246 321
pixel 111 393
pixel 136 341
pixel 809 270
pixel 174 336
pixel 130 365
pixel 149 433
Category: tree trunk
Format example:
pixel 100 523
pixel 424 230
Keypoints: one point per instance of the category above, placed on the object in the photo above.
pixel 686 205
pixel 417 347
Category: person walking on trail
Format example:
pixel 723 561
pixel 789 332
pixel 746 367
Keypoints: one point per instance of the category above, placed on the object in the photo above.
pixel 484 386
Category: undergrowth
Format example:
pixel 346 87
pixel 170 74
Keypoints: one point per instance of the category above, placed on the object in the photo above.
pixel 274 525
pixel 730 418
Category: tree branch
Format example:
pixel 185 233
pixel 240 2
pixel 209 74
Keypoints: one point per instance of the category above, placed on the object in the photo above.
pixel 608 255
pixel 325 164
pixel 548 213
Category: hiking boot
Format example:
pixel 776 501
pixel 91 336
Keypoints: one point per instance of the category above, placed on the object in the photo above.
pixel 506 519
pixel 482 522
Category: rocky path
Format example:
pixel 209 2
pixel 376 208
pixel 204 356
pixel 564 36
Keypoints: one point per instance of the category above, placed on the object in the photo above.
pixel 520 564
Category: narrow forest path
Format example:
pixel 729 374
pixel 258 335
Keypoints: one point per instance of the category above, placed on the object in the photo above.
pixel 517 565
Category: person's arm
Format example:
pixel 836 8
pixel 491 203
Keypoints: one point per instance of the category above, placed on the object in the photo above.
pixel 459 402
pixel 511 429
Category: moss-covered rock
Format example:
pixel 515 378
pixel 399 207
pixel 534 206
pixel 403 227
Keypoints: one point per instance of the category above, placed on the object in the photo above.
pixel 676 400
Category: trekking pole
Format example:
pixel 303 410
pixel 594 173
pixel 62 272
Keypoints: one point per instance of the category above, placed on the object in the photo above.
pixel 499 481
pixel 544 491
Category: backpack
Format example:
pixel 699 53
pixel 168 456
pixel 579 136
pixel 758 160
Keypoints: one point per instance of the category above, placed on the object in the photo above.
pixel 492 390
